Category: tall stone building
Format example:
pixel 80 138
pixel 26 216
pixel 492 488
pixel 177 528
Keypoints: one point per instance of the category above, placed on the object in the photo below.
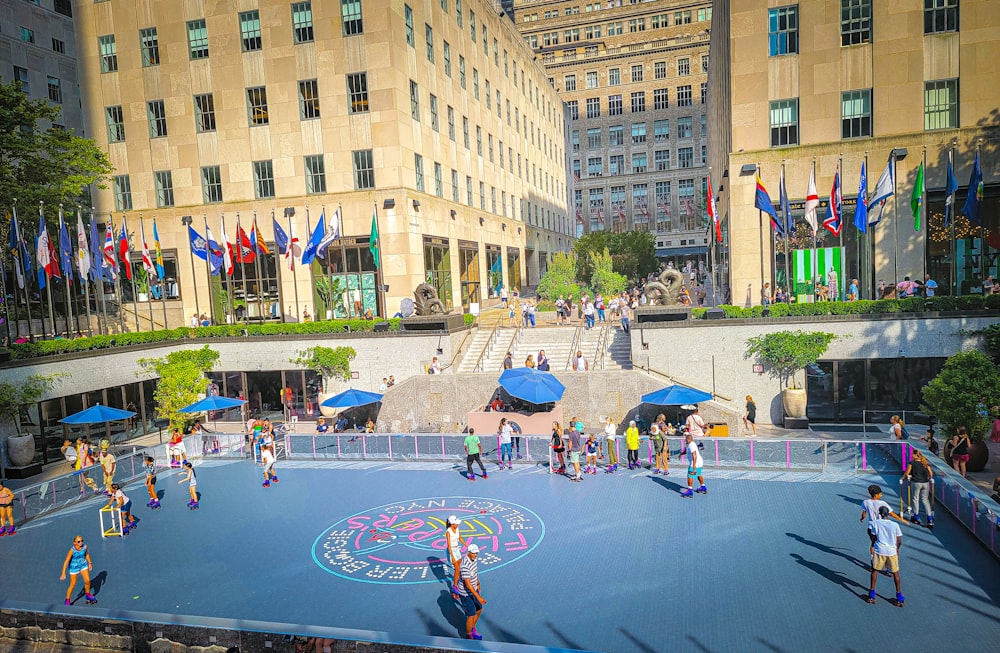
pixel 430 117
pixel 634 77
pixel 829 85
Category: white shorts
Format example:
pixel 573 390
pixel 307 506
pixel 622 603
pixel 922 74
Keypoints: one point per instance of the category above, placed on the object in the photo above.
pixel 456 555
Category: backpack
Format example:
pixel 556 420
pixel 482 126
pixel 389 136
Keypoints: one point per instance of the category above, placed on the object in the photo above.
pixel 903 433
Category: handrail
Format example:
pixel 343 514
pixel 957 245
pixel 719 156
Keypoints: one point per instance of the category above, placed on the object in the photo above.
pixel 602 346
pixel 513 339
pixel 572 347
pixel 486 348
pixel 458 350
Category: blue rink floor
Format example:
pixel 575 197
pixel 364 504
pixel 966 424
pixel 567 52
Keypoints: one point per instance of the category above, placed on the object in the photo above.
pixel 621 564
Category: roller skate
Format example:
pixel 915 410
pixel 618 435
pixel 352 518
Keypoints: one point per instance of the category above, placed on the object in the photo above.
pixel 486 475
pixel 702 490
pixel 149 504
pixel 155 505
pixel 871 597
pixel 900 600
pixel 930 522
pixel 193 506
pixel 3 531
pixel 274 479
pixel 91 599
pixel 687 493
pixel 266 484
pixel 125 529
pixel 12 530
pixel 68 602
pixel 471 477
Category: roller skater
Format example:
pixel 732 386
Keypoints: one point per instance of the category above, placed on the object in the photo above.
pixel 610 440
pixel 559 448
pixel 124 506
pixel 632 445
pixel 267 455
pixel 78 562
pixel 887 539
pixel 695 463
pixel 592 448
pixel 149 467
pixel 192 480
pixel 473 447
pixel 6 511
pixel 454 542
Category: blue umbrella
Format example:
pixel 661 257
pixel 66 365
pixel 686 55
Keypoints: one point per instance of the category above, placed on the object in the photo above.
pixel 675 395
pixel 351 397
pixel 531 385
pixel 212 402
pixel 97 414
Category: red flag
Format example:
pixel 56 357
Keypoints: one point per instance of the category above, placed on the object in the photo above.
pixel 244 252
pixel 713 211
pixel 53 267
pixel 123 250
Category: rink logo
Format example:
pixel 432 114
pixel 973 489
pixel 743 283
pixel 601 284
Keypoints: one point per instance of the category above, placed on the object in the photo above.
pixel 404 542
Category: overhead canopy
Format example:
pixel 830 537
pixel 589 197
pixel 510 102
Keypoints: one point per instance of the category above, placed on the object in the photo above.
pixel 529 384
pixel 212 403
pixel 351 397
pixel 676 395
pixel 97 414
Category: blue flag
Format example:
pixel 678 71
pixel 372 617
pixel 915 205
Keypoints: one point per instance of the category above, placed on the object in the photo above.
pixel 974 202
pixel 66 252
pixel 199 246
pixel 786 209
pixel 215 254
pixel 861 209
pixel 762 202
pixel 309 253
pixel 280 237
pixel 951 187
pixel 96 254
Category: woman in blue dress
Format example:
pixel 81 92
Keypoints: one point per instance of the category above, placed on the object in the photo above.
pixel 78 563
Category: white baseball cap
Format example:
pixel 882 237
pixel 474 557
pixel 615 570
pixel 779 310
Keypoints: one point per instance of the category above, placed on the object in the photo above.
pixel 473 548
pixel 454 520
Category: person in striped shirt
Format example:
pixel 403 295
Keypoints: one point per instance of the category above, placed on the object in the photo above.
pixel 469 591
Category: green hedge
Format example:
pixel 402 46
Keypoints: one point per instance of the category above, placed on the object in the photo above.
pixel 867 306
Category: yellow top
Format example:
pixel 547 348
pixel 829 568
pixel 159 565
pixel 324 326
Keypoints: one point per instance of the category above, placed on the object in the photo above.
pixel 632 438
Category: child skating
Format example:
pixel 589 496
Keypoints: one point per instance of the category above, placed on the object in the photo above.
pixel 454 542
pixel 192 479
pixel 658 438
pixel 124 507
pixel 610 440
pixel 887 538
pixel 78 562
pixel 632 445
pixel 149 468
pixel 6 511
pixel 695 463
pixel 267 455
pixel 592 448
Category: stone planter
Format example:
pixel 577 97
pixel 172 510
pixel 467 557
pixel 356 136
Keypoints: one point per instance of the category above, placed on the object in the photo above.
pixel 794 402
pixel 323 410
pixel 21 450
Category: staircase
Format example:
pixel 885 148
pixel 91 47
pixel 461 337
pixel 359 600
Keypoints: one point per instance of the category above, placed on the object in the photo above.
pixel 555 341
pixel 619 350
pixel 487 350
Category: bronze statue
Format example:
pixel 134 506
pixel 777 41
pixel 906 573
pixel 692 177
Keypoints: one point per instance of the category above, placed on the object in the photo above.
pixel 665 291
pixel 426 302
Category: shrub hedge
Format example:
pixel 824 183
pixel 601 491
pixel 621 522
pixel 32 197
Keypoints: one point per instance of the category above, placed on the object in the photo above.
pixel 868 306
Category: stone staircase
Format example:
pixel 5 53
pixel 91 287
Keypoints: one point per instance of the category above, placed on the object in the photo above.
pixel 619 350
pixel 555 341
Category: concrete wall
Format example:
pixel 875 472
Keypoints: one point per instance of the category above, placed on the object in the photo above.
pixel 710 355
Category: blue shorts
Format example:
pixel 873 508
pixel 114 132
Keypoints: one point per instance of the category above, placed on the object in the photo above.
pixel 471 605
pixel 694 473
pixel 127 507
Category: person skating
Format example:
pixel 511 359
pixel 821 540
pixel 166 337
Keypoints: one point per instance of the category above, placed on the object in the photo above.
pixel 574 453
pixel 149 468
pixel 506 440
pixel 119 498
pixel 454 542
pixel 694 467
pixel 192 480
pixel 632 445
pixel 470 592
pixel 267 455
pixel 887 539
pixel 559 447
pixel 610 442
pixel 6 511
pixel 920 475
pixel 592 448
pixel 473 449
pixel 78 562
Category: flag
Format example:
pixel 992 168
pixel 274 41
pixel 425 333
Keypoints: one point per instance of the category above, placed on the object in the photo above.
pixel 812 202
pixel 293 251
pixel 95 251
pixel 65 250
pixel 332 234
pixel 974 201
pixel 158 250
pixel 834 210
pixel 227 251
pixel 42 249
pixel 42 272
pixel 123 249
pixel 54 260
pixel 917 199
pixel 280 238
pixel 110 265
pixel 885 188
pixel 713 212
pixel 244 246
pixel 257 238
pixel 786 209
pixel 199 246
pixel 861 208
pixel 373 245
pixel 18 251
pixel 147 260
pixel 951 187
pixel 309 254
pixel 82 248
pixel 762 202
pixel 215 258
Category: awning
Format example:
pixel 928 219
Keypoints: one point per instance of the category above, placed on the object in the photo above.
pixel 681 251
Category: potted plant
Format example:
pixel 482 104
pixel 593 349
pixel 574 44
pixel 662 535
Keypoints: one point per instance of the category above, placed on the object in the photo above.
pixel 329 364
pixel 141 284
pixel 784 353
pixel 960 395
pixel 20 448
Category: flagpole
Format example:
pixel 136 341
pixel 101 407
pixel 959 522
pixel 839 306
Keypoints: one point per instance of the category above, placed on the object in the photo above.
pixel 840 236
pixel 872 250
pixel 814 263
pixel 329 278
pixel 161 277
pixel 923 213
pixel 186 221
pixel 349 304
pixel 117 277
pixel 256 260
pixel 243 271
pixel 895 226
pixel 868 248
pixel 128 263
pixel 309 237
pixel 102 319
pixel 953 245
pixel 149 275
pixel 291 256
pixel 379 295
pixel 982 228
pixel 208 269
pixel 277 268
pixel 22 250
pixel 788 237
pixel 83 275
pixel 760 228
pixel 226 277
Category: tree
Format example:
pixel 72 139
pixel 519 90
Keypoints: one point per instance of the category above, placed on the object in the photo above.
pixel 182 381
pixel 604 279
pixel 327 362
pixel 14 396
pixel 954 395
pixel 634 253
pixel 787 352
pixel 560 279
pixel 595 242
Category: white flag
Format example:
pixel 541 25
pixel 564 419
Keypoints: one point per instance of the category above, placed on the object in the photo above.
pixel 82 248
pixel 884 189
pixel 812 202
pixel 227 251
pixel 332 234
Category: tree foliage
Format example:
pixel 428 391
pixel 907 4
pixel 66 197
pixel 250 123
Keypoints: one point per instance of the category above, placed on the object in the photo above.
pixel 954 395
pixel 786 352
pixel 560 278
pixel 182 381
pixel 329 363
pixel 604 279
pixel 633 253
pixel 14 396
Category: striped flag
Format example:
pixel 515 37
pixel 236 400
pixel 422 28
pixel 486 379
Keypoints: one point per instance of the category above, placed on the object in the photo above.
pixel 812 202
pixel 834 210
pixel 110 264
pixel 805 262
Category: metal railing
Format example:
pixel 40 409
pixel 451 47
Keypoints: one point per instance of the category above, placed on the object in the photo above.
pixel 916 421
pixel 602 348
pixel 487 348
pixel 577 334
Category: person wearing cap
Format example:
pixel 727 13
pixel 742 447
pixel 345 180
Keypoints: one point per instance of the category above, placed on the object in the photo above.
pixel 632 444
pixel 887 539
pixel 470 592
pixel 454 542
pixel 108 464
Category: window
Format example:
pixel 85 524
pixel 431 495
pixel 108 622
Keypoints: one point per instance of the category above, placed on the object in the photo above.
pixel 616 164
pixel 308 99
pixel 615 105
pixel 447 59
pixel 784 122
pixel 123 193
pixel 616 28
pixel 109 53
pixel 704 155
pixel 116 124
pixel 783 30
pixel 482 196
pixel 684 127
pixel 414 101
pixel 941 104
pixel 660 70
pixel 429 39
pixel 408 17
pixel 569 83
pixel 461 70
pixel 58 45
pixel 592 32
pixel 350 11
pixel 451 123
pixel 683 96
pixel 454 186
pixel 204 113
pixel 357 92
pixel 576 169
pixel 197 39
pixel 164 181
pixel 616 135
pixel 661 131
pixel 661 99
pixel 639 102
pixel 364 170
pixel 149 44
pixel 685 157
pixel 684 66
pixel 638 132
pixel 468 190
pixel 211 184
pixel 435 125
pixel 315 174
pixel 438 181
pixel 940 16
pixel 704 63
pixel 418 169
pixel 595 167
pixel 475 83
pixel 257 105
pixel 489 96
pixel 704 126
pixel 465 131
pixel 638 162
pixel 682 18
pixel 157 116
pixel 594 138
pixel 250 30
pixel 458 12
pixel 479 140
pixel 704 92
pixel 661 159
pixel 636 73
pixel 55 90
pixel 637 25
pixel 486 47
pixel 593 107
pixel 856 114
pixel 64 7
pixel 592 79
pixel 27 35
pixel 614 76
pixel 855 21
pixel 574 110
pixel 263 179
pixel 302 22
pixel 575 140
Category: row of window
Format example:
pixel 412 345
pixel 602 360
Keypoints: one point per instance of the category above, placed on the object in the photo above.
pixel 616 133
pixel 54 84
pixel 940 16
pixel 456 190
pixel 613 28
pixel 640 163
pixel 637 104
pixel 637 72
pixel 661 20
pixel 28 36
pixel 940 112
pixel 643 211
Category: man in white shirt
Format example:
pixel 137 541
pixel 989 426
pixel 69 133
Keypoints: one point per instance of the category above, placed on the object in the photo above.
pixel 580 363
pixel 696 425
pixel 695 464
pixel 887 540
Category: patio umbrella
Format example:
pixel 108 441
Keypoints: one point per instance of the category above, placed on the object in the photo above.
pixel 213 402
pixel 351 397
pixel 531 385
pixel 97 414
pixel 676 395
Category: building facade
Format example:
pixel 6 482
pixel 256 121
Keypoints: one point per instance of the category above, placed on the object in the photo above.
pixel 427 117
pixel 830 85
pixel 634 76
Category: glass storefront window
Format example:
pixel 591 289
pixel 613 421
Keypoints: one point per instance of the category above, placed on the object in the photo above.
pixel 437 268
pixel 494 263
pixel 251 293
pixel 468 257
pixel 957 262
pixel 344 281
pixel 513 268
pixel 868 390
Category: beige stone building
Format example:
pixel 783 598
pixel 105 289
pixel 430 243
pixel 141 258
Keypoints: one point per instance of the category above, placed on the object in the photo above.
pixel 836 83
pixel 634 77
pixel 430 114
